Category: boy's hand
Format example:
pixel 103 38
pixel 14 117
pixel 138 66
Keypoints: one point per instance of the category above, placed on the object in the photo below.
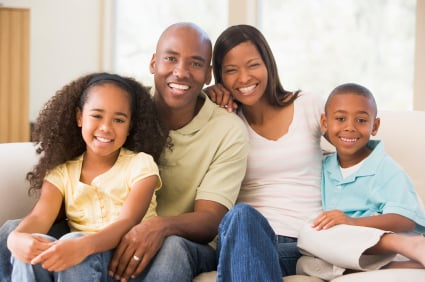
pixel 331 218
pixel 221 96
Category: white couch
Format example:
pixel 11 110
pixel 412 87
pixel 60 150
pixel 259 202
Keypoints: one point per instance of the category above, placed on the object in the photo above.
pixel 403 136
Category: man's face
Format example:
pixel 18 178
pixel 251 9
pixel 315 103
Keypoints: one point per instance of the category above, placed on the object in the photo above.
pixel 181 67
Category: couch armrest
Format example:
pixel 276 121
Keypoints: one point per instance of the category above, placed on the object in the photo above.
pixel 16 159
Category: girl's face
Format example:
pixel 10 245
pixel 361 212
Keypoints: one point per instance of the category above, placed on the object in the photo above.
pixel 244 73
pixel 349 122
pixel 105 119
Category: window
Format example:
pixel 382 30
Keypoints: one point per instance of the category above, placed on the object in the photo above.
pixel 320 44
pixel 140 23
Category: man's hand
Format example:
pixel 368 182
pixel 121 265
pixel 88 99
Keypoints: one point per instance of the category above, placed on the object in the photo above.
pixel 331 218
pixel 137 248
pixel 221 96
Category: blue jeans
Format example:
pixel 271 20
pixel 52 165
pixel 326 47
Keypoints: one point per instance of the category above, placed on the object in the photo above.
pixel 180 260
pixel 10 225
pixel 93 268
pixel 249 250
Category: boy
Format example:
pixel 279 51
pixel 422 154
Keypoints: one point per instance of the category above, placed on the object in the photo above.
pixel 367 198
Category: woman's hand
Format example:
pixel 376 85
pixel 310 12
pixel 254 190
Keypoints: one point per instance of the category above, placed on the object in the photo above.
pixel 221 96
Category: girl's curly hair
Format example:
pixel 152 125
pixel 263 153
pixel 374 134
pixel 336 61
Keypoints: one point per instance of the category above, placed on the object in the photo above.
pixel 58 138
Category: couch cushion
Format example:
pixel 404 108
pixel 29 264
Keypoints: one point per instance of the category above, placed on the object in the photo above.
pixel 385 275
pixel 210 277
pixel 16 159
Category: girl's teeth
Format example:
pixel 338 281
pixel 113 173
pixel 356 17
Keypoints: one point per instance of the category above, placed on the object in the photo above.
pixel 103 139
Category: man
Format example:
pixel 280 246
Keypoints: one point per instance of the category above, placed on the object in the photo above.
pixel 201 171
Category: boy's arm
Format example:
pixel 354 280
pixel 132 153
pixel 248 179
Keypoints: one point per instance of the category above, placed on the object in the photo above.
pixel 389 222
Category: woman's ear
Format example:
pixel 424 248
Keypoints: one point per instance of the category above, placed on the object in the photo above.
pixel 79 117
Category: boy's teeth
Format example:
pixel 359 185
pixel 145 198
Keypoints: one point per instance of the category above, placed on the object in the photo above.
pixel 179 86
pixel 348 139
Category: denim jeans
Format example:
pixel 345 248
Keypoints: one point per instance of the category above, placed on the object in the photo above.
pixel 93 268
pixel 249 250
pixel 5 266
pixel 180 260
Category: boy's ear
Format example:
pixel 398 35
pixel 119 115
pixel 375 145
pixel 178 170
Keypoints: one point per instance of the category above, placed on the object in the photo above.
pixel 376 124
pixel 323 123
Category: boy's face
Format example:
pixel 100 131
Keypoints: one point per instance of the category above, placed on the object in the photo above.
pixel 348 122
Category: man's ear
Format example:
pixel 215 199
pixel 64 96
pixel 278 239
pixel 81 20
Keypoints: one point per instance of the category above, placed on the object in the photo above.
pixel 209 75
pixel 323 123
pixel 152 64
pixel 376 124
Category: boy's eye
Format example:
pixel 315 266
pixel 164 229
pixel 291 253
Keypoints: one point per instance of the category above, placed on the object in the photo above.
pixel 340 118
pixel 361 120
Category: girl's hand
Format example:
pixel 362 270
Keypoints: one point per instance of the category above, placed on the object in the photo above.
pixel 221 96
pixel 62 255
pixel 25 246
pixel 331 218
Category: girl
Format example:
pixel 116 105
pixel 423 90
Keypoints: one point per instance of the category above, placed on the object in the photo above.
pixel 282 181
pixel 95 136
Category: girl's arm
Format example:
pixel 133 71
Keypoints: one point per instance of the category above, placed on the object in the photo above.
pixel 67 253
pixel 389 222
pixel 21 242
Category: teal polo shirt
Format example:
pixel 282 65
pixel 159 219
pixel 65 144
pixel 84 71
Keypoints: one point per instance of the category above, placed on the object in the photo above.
pixel 379 186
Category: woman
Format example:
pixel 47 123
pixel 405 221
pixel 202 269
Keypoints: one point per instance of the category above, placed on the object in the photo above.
pixel 281 189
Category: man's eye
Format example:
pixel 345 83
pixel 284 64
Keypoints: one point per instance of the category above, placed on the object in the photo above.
pixel 197 65
pixel 170 59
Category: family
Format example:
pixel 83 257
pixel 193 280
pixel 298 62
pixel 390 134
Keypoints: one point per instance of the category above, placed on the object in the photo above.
pixel 162 184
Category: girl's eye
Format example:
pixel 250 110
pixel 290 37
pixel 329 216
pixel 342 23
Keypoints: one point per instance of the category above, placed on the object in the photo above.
pixel 118 120
pixel 96 116
pixel 252 66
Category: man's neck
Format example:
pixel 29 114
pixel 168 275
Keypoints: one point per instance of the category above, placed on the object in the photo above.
pixel 177 118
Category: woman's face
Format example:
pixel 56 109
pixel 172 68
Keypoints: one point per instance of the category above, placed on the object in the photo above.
pixel 244 73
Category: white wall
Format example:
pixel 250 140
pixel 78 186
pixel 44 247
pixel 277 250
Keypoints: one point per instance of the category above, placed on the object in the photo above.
pixel 64 44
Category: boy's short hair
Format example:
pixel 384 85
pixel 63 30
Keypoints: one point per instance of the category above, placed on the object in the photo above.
pixel 353 88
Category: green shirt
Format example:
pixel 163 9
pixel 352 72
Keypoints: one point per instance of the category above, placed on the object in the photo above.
pixel 206 162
